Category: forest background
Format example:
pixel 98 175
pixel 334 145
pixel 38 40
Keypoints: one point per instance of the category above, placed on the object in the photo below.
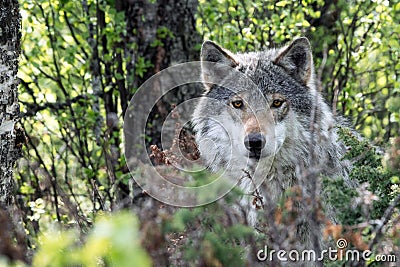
pixel 81 61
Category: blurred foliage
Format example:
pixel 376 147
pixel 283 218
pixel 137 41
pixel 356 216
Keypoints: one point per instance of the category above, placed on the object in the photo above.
pixel 113 241
pixel 81 63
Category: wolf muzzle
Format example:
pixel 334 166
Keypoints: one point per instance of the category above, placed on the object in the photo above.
pixel 254 142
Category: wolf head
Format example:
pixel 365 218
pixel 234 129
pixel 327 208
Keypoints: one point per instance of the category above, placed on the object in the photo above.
pixel 258 105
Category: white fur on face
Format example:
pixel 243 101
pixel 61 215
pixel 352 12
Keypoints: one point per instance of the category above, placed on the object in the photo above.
pixel 224 141
pixel 236 133
pixel 280 135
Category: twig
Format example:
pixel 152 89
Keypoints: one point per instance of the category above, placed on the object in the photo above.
pixel 385 218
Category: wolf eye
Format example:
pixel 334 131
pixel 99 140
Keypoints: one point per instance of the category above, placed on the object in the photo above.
pixel 237 104
pixel 277 103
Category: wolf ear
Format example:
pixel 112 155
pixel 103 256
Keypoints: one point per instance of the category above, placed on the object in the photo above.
pixel 297 60
pixel 211 52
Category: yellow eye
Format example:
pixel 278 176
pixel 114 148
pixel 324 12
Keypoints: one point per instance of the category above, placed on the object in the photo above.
pixel 237 104
pixel 277 103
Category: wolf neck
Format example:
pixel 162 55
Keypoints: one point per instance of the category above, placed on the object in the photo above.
pixel 304 151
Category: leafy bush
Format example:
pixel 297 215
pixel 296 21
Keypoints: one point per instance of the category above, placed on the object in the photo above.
pixel 114 240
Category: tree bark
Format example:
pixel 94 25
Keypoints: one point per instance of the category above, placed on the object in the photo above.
pixel 170 24
pixel 10 149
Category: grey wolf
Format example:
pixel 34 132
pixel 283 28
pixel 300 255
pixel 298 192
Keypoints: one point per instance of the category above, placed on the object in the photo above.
pixel 280 125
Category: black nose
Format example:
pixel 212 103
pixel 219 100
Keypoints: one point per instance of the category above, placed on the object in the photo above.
pixel 254 142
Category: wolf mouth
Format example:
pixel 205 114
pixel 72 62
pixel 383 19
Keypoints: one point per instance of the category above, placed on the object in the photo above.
pixel 255 155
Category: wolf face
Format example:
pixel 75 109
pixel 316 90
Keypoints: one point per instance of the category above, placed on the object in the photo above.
pixel 246 125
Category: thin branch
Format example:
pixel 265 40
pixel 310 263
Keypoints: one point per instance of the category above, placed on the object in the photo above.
pixel 383 221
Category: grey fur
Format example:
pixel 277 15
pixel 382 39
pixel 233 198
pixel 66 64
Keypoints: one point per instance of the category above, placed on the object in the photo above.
pixel 305 134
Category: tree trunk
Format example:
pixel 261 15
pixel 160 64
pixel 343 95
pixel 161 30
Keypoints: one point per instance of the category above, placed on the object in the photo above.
pixel 10 149
pixel 165 34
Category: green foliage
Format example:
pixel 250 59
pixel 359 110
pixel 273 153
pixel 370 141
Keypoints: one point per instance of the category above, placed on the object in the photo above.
pixel 241 25
pixel 214 243
pixel 81 62
pixel 113 241
pixel 341 197
pixel 142 65
pixel 367 168
pixel 367 56
pixel 70 62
